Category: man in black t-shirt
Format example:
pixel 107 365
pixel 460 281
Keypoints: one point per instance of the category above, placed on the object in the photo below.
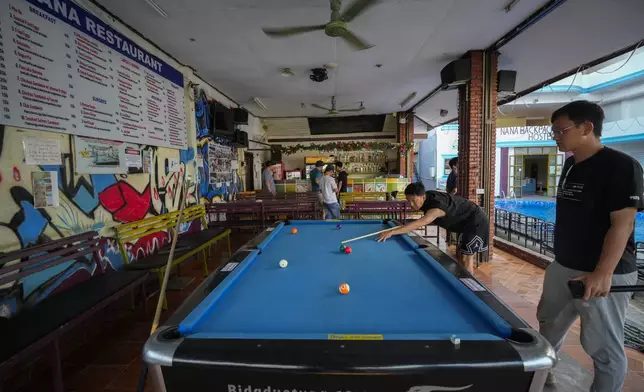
pixel 453 213
pixel 452 180
pixel 599 194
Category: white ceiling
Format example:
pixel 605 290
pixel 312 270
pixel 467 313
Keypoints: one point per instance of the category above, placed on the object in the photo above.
pixel 413 40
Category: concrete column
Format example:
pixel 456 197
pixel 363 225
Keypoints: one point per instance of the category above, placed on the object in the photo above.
pixel 477 132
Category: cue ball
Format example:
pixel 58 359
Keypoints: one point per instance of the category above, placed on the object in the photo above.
pixel 283 263
pixel 344 288
pixel 293 231
pixel 347 249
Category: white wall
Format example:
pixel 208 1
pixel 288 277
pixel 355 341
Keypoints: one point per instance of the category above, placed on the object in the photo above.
pixel 427 160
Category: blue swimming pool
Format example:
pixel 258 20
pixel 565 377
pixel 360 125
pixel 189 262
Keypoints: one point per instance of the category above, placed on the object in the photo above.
pixel 546 210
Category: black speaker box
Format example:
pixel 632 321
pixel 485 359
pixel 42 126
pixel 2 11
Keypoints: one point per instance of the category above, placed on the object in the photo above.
pixel 506 81
pixel 241 138
pixel 240 116
pixel 276 154
pixel 456 73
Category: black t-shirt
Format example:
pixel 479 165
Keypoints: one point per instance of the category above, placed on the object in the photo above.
pixel 459 211
pixel 344 178
pixel 588 192
pixel 452 182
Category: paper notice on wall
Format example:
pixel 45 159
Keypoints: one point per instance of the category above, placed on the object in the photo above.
pixel 133 159
pixel 45 189
pixel 39 151
pixel 99 156
pixel 173 165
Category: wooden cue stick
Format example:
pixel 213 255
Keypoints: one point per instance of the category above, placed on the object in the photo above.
pixel 369 235
pixel 166 275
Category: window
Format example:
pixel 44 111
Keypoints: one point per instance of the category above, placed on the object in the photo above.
pixel 448 169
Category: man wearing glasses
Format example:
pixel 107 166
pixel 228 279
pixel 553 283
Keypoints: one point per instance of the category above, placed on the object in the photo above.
pixel 599 193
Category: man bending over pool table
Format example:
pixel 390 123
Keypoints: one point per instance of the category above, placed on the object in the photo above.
pixel 452 213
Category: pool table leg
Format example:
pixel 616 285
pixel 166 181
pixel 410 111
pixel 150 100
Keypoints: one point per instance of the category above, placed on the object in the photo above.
pixel 156 378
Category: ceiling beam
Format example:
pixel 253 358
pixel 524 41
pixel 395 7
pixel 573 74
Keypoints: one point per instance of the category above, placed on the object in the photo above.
pixel 523 26
pixel 509 36
pixel 571 72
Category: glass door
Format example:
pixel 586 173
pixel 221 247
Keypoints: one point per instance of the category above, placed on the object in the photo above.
pixel 555 165
pixel 515 177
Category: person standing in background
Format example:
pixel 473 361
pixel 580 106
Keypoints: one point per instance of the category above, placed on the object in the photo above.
pixel 329 192
pixel 452 179
pixel 343 177
pixel 269 181
pixel 316 176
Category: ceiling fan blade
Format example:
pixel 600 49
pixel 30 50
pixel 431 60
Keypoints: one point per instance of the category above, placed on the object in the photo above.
pixel 315 105
pixel 351 110
pixel 355 41
pixel 355 9
pixel 288 31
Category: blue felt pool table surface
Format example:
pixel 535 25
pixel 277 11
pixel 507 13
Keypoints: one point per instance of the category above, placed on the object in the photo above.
pixel 397 291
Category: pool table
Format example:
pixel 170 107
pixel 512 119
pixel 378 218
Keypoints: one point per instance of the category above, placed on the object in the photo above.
pixel 413 320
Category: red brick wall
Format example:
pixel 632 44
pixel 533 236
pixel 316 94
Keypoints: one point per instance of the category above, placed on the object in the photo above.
pixel 470 135
pixel 402 138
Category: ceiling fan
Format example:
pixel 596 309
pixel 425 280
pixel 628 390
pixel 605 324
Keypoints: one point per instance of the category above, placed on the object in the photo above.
pixel 333 109
pixel 337 27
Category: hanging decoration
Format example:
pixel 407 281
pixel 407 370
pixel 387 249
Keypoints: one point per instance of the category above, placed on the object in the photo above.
pixel 347 146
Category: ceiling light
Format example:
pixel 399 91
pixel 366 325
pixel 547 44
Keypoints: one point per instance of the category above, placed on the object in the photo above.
pixel 407 100
pixel 331 65
pixel 157 8
pixel 260 104
pixel 378 65
pixel 286 72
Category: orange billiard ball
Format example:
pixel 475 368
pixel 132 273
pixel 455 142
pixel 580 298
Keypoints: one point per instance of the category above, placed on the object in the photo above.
pixel 344 288
pixel 293 231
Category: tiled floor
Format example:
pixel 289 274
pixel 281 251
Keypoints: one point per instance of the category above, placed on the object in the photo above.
pixel 111 361
pixel 519 284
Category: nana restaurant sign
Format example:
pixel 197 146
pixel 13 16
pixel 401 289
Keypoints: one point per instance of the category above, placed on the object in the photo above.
pixel 519 134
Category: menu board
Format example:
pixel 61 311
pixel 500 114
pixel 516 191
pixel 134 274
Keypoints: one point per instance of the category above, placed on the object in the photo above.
pixel 64 70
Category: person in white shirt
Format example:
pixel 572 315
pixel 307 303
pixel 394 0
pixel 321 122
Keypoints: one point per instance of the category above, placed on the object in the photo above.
pixel 329 190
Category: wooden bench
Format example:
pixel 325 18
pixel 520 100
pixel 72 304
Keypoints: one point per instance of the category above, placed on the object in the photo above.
pixel 188 245
pixel 237 214
pixel 393 209
pixel 36 327
pixel 293 209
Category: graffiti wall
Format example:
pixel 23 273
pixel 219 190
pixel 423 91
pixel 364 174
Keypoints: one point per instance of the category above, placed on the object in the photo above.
pixel 87 202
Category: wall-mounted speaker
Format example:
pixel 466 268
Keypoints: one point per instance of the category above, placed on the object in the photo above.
pixel 276 154
pixel 456 73
pixel 240 116
pixel 506 81
pixel 241 138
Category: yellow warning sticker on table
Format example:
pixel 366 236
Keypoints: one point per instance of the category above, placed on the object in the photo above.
pixel 355 337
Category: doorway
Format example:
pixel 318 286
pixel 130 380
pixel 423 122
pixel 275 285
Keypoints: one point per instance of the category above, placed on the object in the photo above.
pixel 534 171
pixel 536 175
pixel 249 178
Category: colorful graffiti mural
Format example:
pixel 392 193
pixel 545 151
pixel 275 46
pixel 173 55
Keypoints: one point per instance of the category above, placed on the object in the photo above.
pixel 87 202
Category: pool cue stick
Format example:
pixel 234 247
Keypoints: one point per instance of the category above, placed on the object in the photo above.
pixel 164 285
pixel 369 235
pixel 578 288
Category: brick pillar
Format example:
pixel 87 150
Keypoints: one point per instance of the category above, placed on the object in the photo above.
pixel 477 133
pixel 410 137
pixel 402 138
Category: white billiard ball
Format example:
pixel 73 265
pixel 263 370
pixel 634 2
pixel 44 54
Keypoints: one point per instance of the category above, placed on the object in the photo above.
pixel 283 263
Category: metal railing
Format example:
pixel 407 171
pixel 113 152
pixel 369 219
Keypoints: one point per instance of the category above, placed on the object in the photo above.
pixel 527 231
